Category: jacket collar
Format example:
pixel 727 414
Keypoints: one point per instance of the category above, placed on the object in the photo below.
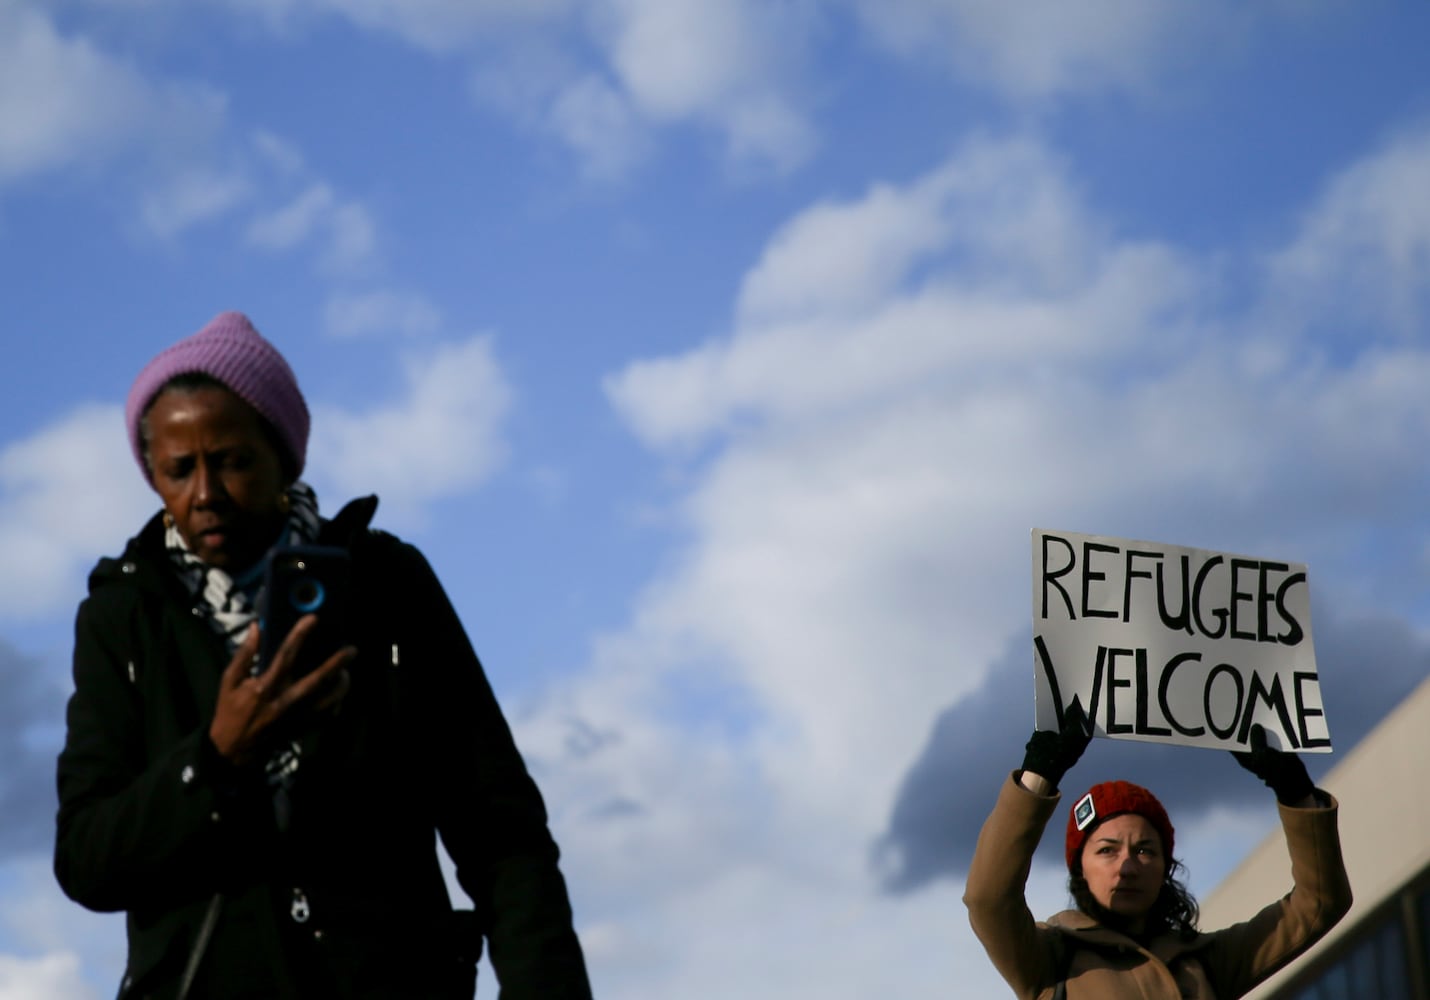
pixel 1164 947
pixel 145 565
pixel 140 565
pixel 349 523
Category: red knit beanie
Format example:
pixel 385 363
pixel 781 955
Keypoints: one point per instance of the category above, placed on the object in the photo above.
pixel 1109 799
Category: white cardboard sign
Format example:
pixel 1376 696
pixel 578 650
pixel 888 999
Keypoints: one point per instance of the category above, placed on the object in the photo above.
pixel 1165 644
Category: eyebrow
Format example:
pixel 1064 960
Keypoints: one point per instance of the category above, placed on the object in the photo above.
pixel 220 452
pixel 1136 843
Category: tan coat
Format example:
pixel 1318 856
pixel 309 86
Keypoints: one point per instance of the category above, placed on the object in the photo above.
pixel 1102 964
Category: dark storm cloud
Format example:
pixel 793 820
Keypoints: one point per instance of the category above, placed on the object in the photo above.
pixel 31 729
pixel 1366 666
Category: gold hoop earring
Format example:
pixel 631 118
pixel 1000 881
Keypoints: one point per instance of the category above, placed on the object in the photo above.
pixel 285 503
pixel 168 519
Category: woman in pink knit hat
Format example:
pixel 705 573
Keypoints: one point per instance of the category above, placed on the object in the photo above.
pixel 269 826
pixel 1133 933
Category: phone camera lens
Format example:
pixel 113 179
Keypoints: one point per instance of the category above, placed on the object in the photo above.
pixel 306 595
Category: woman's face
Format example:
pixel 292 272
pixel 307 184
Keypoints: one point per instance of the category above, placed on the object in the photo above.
pixel 1124 866
pixel 217 472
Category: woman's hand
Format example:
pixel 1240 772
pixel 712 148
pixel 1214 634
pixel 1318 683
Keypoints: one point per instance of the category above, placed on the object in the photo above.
pixel 1282 772
pixel 249 708
pixel 1050 754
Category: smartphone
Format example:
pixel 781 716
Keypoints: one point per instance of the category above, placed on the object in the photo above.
pixel 303 580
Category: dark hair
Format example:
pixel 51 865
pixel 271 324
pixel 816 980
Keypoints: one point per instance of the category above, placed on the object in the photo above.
pixel 186 382
pixel 1175 908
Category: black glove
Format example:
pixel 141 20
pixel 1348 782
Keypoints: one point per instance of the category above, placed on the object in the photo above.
pixel 1283 772
pixel 1050 754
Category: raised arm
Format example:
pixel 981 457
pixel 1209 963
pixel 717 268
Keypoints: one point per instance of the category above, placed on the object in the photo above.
pixel 1248 953
pixel 1025 954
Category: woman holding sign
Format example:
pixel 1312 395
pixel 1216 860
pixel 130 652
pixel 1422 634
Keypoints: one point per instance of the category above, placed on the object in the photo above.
pixel 1134 932
pixel 265 807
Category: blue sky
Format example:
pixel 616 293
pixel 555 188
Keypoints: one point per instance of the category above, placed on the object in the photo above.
pixel 721 355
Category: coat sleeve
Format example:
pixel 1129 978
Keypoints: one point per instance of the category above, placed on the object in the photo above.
pixel 133 832
pixel 1245 954
pixel 489 812
pixel 1023 951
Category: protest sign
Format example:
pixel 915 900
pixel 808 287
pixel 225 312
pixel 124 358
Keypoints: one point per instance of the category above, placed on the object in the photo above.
pixel 1166 644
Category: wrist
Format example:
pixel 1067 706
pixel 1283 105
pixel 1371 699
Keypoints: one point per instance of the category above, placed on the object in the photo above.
pixel 224 748
pixel 1301 795
pixel 1036 783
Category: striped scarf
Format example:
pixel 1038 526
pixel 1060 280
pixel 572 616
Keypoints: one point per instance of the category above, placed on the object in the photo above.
pixel 229 604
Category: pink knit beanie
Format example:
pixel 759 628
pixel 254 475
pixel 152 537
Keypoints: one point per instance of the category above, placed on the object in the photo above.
pixel 230 351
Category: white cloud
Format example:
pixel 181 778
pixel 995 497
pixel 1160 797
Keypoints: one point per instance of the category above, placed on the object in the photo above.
pixel 741 68
pixel 1363 249
pixel 262 186
pixel 682 55
pixel 193 197
pixel 68 494
pixel 294 223
pixel 55 976
pixel 736 67
pixel 435 25
pixel 279 153
pixel 380 313
pixel 1042 48
pixel 344 231
pixel 731 64
pixel 1005 203
pixel 67 103
pixel 524 76
pixel 867 287
pixel 59 949
pixel 444 436
pixel 352 242
pixel 64 102
pixel 598 121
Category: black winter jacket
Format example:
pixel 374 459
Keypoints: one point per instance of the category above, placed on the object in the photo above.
pixel 350 901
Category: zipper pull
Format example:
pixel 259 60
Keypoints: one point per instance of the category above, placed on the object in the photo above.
pixel 300 911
